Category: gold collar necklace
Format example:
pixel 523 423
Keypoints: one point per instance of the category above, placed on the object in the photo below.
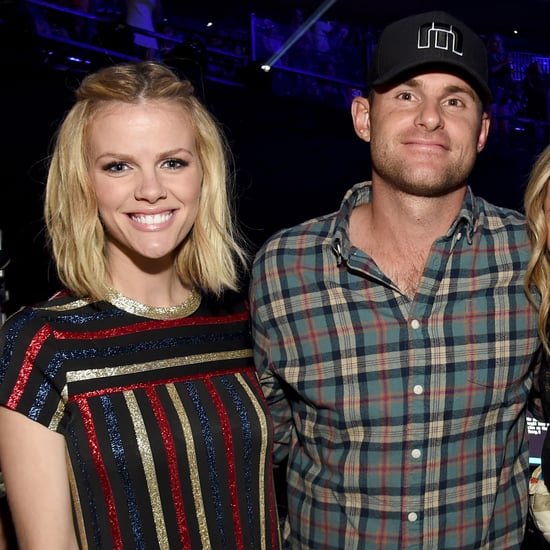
pixel 153 312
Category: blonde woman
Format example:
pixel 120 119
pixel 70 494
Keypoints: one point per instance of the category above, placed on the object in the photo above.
pixel 537 279
pixel 537 209
pixel 131 413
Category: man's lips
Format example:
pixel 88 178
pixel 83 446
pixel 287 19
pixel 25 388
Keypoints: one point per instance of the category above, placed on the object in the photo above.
pixel 426 144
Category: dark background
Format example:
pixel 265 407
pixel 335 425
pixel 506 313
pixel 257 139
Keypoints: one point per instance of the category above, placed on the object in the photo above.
pixel 528 15
pixel 294 158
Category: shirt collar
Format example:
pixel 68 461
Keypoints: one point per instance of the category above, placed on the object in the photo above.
pixel 361 193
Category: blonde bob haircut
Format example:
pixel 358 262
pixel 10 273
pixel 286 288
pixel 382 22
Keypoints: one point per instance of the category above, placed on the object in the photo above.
pixel 537 279
pixel 211 256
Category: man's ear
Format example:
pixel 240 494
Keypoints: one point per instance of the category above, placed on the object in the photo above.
pixel 360 114
pixel 483 131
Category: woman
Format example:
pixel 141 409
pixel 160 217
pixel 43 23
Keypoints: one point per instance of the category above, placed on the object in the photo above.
pixel 537 210
pixel 537 285
pixel 132 415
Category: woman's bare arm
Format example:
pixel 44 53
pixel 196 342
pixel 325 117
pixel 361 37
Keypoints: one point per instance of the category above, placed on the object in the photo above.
pixel 33 463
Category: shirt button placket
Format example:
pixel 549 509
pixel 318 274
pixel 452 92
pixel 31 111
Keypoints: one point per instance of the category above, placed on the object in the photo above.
pixel 416 453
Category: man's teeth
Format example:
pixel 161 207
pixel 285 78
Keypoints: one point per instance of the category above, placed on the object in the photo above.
pixel 152 219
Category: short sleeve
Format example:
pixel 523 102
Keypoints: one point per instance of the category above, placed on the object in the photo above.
pixel 31 380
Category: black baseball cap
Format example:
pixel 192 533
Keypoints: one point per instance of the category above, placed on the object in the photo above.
pixel 430 41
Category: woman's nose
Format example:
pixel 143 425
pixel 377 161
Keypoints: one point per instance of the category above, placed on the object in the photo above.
pixel 150 187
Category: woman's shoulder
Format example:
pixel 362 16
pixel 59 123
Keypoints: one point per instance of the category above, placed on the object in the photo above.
pixel 45 311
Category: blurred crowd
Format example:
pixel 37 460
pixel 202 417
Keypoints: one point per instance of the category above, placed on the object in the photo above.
pixel 322 59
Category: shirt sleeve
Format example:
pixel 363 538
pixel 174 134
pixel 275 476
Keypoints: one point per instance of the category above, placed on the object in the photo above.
pixel 31 381
pixel 274 389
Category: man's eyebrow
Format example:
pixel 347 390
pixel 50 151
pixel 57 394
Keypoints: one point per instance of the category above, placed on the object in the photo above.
pixel 455 89
pixel 415 82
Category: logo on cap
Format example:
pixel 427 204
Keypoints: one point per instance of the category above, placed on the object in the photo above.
pixel 440 36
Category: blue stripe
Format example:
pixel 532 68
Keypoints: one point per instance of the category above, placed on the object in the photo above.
pixel 211 457
pixel 120 459
pixel 247 439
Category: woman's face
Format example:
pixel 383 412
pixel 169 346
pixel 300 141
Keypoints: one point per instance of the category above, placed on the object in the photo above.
pixel 147 178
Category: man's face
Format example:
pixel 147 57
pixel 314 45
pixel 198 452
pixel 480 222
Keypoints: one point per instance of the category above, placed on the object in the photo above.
pixel 425 133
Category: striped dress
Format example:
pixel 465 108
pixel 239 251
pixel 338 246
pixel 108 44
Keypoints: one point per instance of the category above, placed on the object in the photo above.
pixel 168 436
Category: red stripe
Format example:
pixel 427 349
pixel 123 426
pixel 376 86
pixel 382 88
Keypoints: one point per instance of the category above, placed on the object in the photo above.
pixel 172 466
pixel 155 383
pixel 102 473
pixel 230 453
pixel 30 356
pixel 149 325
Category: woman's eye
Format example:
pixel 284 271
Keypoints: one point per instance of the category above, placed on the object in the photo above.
pixel 174 163
pixel 116 167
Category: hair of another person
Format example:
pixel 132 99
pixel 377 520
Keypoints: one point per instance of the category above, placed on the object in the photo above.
pixel 537 278
pixel 214 254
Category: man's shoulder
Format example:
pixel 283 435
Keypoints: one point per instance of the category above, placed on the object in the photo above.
pixel 499 216
pixel 503 230
pixel 318 229
pixel 293 249
pixel 309 231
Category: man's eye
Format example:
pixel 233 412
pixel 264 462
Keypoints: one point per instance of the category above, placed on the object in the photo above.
pixel 454 102
pixel 407 96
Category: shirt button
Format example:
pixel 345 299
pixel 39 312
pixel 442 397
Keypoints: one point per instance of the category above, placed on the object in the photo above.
pixel 415 323
pixel 458 236
pixel 416 453
pixel 412 516
pixel 418 389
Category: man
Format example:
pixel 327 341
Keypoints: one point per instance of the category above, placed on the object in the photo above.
pixel 393 337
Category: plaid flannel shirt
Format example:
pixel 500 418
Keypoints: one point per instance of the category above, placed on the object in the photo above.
pixel 403 420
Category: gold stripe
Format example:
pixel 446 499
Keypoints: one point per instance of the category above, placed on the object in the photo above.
pixel 77 506
pixel 263 422
pixel 104 372
pixel 148 468
pixel 193 467
pixel 59 412
pixel 75 304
